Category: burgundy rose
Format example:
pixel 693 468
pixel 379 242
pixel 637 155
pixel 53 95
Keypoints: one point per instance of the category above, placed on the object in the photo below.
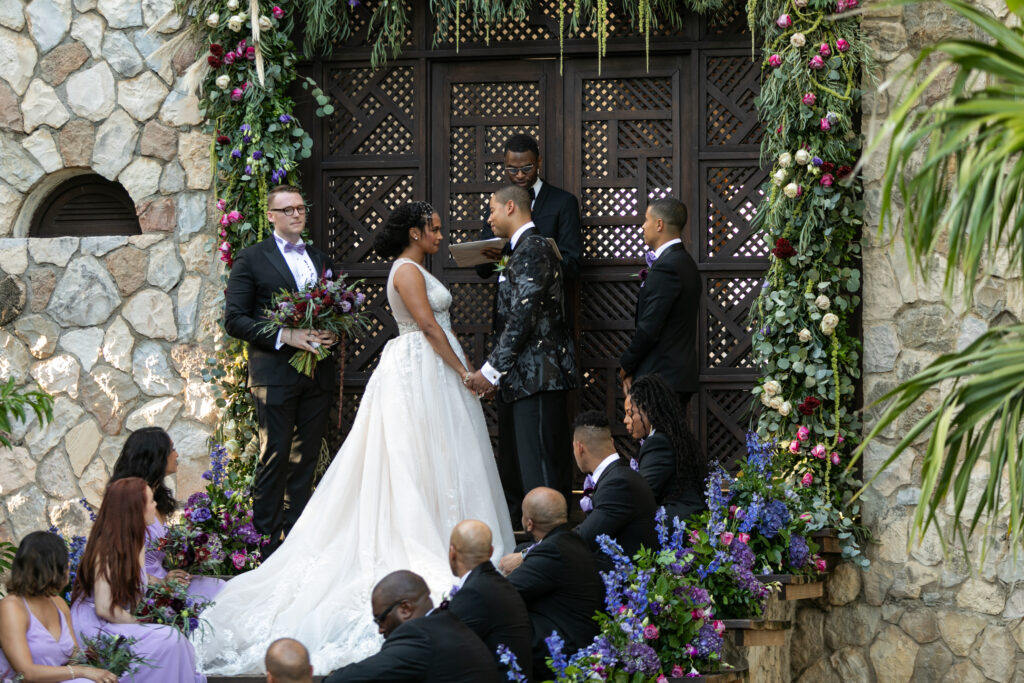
pixel 216 50
pixel 223 139
pixel 783 249
pixel 809 405
pixel 843 171
pixel 213 62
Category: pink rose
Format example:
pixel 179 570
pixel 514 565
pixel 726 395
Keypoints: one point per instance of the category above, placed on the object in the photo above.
pixel 677 671
pixel 835 458
pixel 250 53
pixel 622 608
pixel 229 58
pixel 839 438
pixel 224 220
pixel 222 204
pixel 803 433
pixel 661 679
pixel 719 626
pixel 807 479
pixel 775 61
pixel 732 511
pixel 277 12
pixel 805 516
pixel 842 45
pixel 819 451
pixel 809 99
pixel 820 565
pixel 824 50
pixel 234 216
pixel 784 21
pixel 799 190
pixel 651 632
pixel 816 63
pixel 726 537
pixel 825 125
pixel 742 536
pixel 827 180
pixel 236 95
pixel 694 537
pixel 691 651
pixel 794 446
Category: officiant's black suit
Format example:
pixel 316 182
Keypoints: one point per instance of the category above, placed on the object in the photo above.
pixel 534 352
pixel 291 408
pixel 665 341
pixel 680 495
pixel 562 589
pixel 437 648
pixel 623 509
pixel 489 605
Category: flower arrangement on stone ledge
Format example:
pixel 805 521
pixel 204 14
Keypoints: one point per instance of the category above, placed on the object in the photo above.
pixel 803 339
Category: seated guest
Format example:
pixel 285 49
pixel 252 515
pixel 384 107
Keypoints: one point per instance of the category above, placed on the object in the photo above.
pixel 149 455
pixel 483 599
pixel 35 624
pixel 420 643
pixel 670 459
pixel 111 581
pixel 287 661
pixel 617 500
pixel 557 578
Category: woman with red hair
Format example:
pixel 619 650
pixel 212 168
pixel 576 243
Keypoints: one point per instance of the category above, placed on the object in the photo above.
pixel 111 581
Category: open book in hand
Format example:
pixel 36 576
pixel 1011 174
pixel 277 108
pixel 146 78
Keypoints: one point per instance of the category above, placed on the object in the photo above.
pixel 468 254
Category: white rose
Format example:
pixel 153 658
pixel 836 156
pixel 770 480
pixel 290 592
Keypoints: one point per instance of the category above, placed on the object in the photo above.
pixel 780 176
pixel 822 302
pixel 265 24
pixel 829 323
pixel 785 409
pixel 805 335
pixel 800 4
pixel 223 81
pixel 772 388
pixel 765 399
pixel 803 157
pixel 791 190
pixel 235 23
pixel 775 403
pixel 785 160
pixel 797 40
pixel 213 20
pixel 232 5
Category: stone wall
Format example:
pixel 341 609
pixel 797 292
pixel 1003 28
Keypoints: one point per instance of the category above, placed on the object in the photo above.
pixel 917 615
pixel 116 328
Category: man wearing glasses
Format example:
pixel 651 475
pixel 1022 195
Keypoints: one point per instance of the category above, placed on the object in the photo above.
pixel 291 408
pixel 420 643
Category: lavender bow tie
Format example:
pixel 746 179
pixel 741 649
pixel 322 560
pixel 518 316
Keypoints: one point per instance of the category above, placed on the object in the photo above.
pixel 299 248
pixel 650 257
pixel 634 465
pixel 586 504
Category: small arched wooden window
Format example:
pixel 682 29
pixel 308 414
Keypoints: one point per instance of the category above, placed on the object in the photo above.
pixel 86 205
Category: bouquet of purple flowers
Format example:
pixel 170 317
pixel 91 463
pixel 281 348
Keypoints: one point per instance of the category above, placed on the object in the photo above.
pixel 111 652
pixel 171 604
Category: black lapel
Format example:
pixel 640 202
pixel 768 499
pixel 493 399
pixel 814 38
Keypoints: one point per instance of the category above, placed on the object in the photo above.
pixel 526 233
pixel 273 255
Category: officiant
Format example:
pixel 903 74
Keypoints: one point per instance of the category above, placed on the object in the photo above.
pixel 291 408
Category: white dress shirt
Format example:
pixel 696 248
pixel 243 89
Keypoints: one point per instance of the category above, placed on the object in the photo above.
pixel 536 191
pixel 661 250
pixel 488 370
pixel 599 470
pixel 301 267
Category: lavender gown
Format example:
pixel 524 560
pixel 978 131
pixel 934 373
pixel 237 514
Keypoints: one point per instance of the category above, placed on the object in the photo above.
pixel 205 586
pixel 169 655
pixel 45 650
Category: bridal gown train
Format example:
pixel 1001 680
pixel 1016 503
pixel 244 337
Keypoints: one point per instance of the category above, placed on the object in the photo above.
pixel 416 462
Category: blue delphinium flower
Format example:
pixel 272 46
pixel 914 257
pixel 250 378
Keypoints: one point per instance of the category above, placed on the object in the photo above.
pixel 508 658
pixel 760 454
pixel 218 456
pixel 798 551
pixel 660 526
pixel 555 645
pixel 752 515
pixel 88 508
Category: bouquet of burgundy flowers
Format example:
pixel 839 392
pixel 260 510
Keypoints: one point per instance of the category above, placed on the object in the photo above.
pixel 327 304
pixel 171 604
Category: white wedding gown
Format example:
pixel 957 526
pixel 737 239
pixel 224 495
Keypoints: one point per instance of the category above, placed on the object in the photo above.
pixel 416 462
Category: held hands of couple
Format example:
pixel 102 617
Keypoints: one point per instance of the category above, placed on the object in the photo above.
pixel 307 340
pixel 478 384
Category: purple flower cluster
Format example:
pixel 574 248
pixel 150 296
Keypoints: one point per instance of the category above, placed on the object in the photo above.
pixel 709 641
pixel 641 658
pixel 760 454
pixel 774 518
pixel 558 661
pixel 798 551
pixel 200 515
pixel 752 515
pixel 508 658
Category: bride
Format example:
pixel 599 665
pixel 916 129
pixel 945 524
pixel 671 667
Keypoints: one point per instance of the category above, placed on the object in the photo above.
pixel 416 462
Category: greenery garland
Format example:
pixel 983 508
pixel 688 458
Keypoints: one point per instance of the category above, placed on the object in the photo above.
pixel 803 339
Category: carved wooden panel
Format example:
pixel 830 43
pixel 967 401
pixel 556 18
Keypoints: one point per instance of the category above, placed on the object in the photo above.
pixel 732 83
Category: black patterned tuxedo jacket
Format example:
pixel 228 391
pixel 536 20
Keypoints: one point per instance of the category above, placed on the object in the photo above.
pixel 533 350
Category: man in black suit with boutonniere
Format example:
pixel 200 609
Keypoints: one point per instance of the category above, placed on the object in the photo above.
pixel 665 340
pixel 291 408
pixel 532 364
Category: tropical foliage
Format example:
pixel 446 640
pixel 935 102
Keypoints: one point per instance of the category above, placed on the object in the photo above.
pixel 17 404
pixel 956 168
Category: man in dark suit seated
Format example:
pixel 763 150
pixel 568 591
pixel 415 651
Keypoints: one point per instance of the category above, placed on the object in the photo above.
pixel 665 340
pixel 617 500
pixel 420 644
pixel 483 599
pixel 557 578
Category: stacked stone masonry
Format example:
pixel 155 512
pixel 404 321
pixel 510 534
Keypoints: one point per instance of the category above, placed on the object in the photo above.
pixel 116 328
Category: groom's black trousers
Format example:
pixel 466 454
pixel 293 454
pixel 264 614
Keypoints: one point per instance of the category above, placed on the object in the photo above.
pixel 292 422
pixel 534 447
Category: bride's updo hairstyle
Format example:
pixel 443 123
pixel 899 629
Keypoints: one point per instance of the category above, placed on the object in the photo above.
pixel 393 237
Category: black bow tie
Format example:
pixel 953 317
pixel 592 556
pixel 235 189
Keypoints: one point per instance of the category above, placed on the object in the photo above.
pixel 507 249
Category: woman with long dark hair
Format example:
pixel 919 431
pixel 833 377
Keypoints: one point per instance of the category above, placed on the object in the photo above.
pixel 35 624
pixel 111 581
pixel 149 455
pixel 670 458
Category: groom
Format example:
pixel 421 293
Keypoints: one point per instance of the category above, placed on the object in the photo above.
pixel 532 364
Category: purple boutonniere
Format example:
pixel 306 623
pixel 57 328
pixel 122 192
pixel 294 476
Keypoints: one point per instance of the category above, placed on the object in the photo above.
pixel 586 503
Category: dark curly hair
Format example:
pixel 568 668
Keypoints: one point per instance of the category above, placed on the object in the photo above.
pixel 144 455
pixel 654 397
pixel 40 567
pixel 392 237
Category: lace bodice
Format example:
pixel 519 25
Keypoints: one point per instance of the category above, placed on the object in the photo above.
pixel 438 296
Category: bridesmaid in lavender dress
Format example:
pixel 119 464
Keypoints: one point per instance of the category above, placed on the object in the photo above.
pixel 35 624
pixel 111 580
pixel 149 454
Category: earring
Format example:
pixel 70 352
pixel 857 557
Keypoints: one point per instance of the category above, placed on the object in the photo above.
pixel 415 238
